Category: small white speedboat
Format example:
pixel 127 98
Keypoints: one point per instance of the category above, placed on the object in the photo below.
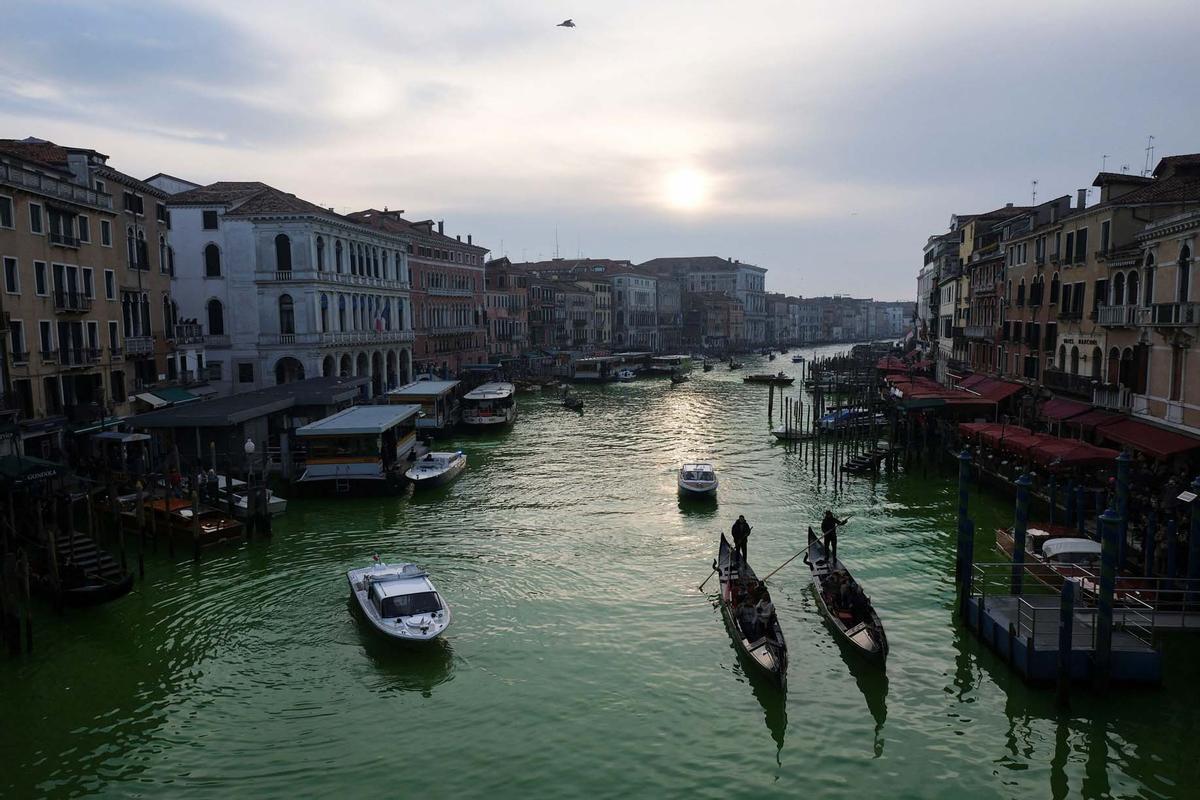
pixel 225 486
pixel 400 601
pixel 626 375
pixel 798 359
pixel 697 480
pixel 436 469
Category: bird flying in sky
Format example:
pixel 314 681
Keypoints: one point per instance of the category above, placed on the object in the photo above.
pixel 566 23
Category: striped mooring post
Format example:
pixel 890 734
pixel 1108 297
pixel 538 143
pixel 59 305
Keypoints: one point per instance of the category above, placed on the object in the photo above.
pixel 965 533
pixel 1110 528
pixel 1066 630
pixel 1020 528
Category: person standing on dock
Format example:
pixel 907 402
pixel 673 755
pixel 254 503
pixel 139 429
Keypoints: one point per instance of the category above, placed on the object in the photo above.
pixel 829 526
pixel 741 533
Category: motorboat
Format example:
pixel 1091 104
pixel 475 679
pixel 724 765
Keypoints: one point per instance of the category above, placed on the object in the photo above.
pixel 708 367
pixel 626 375
pixel 846 418
pixel 400 601
pixel 798 359
pixel 845 606
pixel 241 503
pixel 679 377
pixel 759 641
pixel 697 480
pixel 572 403
pixel 436 469
pixel 489 405
pixel 778 379
pixel 734 365
pixel 1054 553
pixel 771 357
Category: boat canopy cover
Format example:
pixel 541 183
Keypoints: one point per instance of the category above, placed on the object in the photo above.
pixel 1054 548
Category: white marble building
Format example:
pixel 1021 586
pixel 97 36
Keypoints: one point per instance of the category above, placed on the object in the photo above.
pixel 284 289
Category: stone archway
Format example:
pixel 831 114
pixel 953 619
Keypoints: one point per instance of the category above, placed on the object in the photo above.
pixel 347 368
pixel 405 366
pixel 390 369
pixel 327 366
pixel 361 365
pixel 288 369
pixel 376 373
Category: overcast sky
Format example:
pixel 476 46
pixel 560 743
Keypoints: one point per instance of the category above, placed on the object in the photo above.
pixel 824 141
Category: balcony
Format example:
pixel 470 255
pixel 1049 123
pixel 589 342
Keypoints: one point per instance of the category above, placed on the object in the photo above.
pixel 67 302
pixel 335 278
pixel 216 340
pixel 49 356
pixel 12 174
pixel 1112 396
pixel 63 240
pixel 1117 316
pixel 445 292
pixel 1070 313
pixel 1170 314
pixel 1078 385
pixel 78 356
pixel 980 331
pixel 20 356
pixel 189 333
pixel 139 346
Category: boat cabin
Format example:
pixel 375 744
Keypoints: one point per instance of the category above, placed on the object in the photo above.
pixel 698 472
pixel 671 364
pixel 599 368
pixel 439 402
pixel 403 594
pixel 362 447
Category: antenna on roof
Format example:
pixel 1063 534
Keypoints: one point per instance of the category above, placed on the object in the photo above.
pixel 1034 202
pixel 1149 154
pixel 556 241
pixel 1124 169
pixel 1104 163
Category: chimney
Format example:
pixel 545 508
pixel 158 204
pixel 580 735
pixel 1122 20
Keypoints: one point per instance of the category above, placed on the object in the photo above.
pixel 468 238
pixel 441 226
pixel 1008 205
pixel 1082 201
pixel 458 237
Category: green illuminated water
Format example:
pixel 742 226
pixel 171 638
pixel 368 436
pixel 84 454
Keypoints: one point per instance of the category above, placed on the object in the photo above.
pixel 582 661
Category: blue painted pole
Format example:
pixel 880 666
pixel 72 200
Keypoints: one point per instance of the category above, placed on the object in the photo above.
pixel 1071 502
pixel 968 566
pixel 964 479
pixel 1110 528
pixel 1098 497
pixel 1080 510
pixel 1053 498
pixel 1172 549
pixel 1066 625
pixel 1193 567
pixel 1020 528
pixel 1123 462
pixel 1148 544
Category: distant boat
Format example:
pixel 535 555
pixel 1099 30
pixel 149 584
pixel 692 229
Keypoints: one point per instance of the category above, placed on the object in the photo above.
pixel 778 379
pixel 572 403
pixel 400 601
pixel 678 378
pixel 708 366
pixel 762 644
pixel 851 616
pixel 698 480
pixel 626 375
pixel 436 469
pixel 490 404
pixel 798 359
pixel 734 365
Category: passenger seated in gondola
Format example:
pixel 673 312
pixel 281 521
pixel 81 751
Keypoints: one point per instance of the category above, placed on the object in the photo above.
pixel 764 613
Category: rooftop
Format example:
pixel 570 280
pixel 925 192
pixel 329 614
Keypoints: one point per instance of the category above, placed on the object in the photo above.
pixel 424 388
pixel 393 222
pixel 226 411
pixel 360 420
pixel 690 264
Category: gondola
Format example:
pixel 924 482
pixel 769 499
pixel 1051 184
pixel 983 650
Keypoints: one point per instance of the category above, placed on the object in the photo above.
pixel 855 623
pixel 573 404
pixel 763 646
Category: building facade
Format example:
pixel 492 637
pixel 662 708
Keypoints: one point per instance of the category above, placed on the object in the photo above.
pixel 507 309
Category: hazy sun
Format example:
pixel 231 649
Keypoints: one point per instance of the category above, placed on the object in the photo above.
pixel 686 189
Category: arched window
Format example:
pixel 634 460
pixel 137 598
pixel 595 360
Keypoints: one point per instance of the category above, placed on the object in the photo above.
pixel 212 261
pixel 131 247
pixel 1118 289
pixel 1055 284
pixel 171 261
pixel 145 314
pixel 320 254
pixel 216 318
pixel 337 255
pixel 162 254
pixel 1125 376
pixel 1074 360
pixel 1114 366
pixel 1131 288
pixel 287 314
pixel 324 313
pixel 1185 273
pixel 143 254
pixel 1097 363
pixel 168 322
pixel 341 312
pixel 353 259
pixel 1021 292
pixel 283 253
pixel 1148 283
pixel 1062 356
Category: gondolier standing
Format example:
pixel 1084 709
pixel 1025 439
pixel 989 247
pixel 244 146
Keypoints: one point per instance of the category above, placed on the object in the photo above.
pixel 741 532
pixel 829 526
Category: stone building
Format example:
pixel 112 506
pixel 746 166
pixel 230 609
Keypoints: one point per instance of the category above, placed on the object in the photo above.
pixel 507 309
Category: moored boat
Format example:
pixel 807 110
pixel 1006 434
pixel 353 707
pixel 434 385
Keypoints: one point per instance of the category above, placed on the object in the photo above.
pixel 626 375
pixel 798 359
pixel 276 505
pixel 779 379
pixel 679 378
pixel 708 367
pixel 844 605
pixel 436 469
pixel 761 642
pixel 489 404
pixel 1054 553
pixel 400 601
pixel 698 479
pixel 733 365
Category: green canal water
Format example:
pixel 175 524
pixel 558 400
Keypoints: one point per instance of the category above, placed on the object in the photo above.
pixel 582 661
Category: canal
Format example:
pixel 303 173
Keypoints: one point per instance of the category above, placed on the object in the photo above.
pixel 582 661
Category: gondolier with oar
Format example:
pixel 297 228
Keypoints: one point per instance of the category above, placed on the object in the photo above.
pixel 829 526
pixel 741 533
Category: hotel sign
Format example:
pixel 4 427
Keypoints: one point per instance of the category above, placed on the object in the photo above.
pixel 1081 341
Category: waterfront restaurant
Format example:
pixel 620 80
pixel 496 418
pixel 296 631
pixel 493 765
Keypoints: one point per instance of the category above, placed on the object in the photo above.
pixel 439 402
pixel 361 450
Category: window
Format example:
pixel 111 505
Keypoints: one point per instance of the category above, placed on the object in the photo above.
pixel 1081 245
pixel 1105 228
pixel 100 187
pixel 39 278
pixel 1054 287
pixel 118 386
pixel 212 261
pixel 320 253
pixel 209 220
pixel 214 371
pixel 216 318
pixel 1069 253
pixel 89 288
pixel 6 213
pixel 35 219
pixel 114 342
pixel 1185 273
pixel 46 338
pixel 162 255
pixel 160 213
pixel 337 255
pixel 12 280
pixel 245 372
pixel 105 233
pixel 283 253
pixel 287 314
pixel 16 339
pixel 110 285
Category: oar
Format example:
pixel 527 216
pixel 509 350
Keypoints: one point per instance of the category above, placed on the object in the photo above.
pixel 706 580
pixel 784 564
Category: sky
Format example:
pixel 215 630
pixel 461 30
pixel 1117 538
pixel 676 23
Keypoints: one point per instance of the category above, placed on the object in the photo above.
pixel 823 141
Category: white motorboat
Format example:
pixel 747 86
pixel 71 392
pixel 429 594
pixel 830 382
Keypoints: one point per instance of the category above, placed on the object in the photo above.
pixel 400 601
pixel 798 359
pixel 436 469
pixel 626 375
pixel 698 480
pixel 225 486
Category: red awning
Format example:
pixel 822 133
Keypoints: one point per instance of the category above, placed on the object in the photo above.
pixel 997 390
pixel 998 432
pixel 1059 409
pixel 971 381
pixel 1067 452
pixel 1095 418
pixel 1151 440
